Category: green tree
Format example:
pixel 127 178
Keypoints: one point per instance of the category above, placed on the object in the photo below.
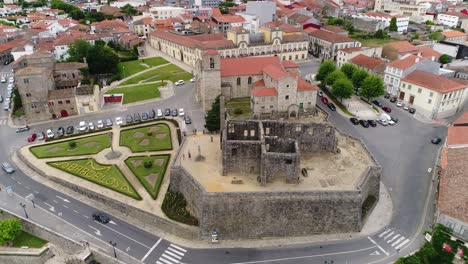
pixel 9 229
pixel 17 99
pixel 436 36
pixel 101 58
pixel 430 23
pixel 348 69
pixel 334 76
pixel 380 34
pixel 342 88
pixel 334 21
pixel 213 117
pixel 393 26
pixel 372 87
pixel 129 10
pixel 444 59
pixel 325 69
pixel 358 77
pixel 79 50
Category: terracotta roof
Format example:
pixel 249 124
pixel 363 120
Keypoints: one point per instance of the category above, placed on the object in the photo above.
pixel 260 83
pixel 457 135
pixel 144 21
pixel 428 52
pixel 203 41
pixel 66 66
pixel 330 37
pixel 210 52
pixel 246 66
pixel 367 62
pixel 333 29
pixel 457 14
pixel 30 71
pixel 127 38
pixel 64 40
pixel 351 50
pixel 264 92
pixel 289 64
pixel 453 34
pixel 310 29
pixel 275 71
pixel 61 93
pixel 433 82
pixel 226 18
pixel 401 46
pixel 11 44
pixel 405 62
pixel 462 120
pixel 283 26
pixel 302 85
pixel 47 46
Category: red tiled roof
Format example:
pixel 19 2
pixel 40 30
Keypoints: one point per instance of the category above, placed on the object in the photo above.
pixel 405 62
pixel 367 62
pixel 210 52
pixel 310 29
pixel 330 37
pixel 457 14
pixel 226 18
pixel 433 82
pixel 204 41
pixel 275 71
pixel 283 26
pixel 351 50
pixel 289 64
pixel 401 46
pixel 457 135
pixel 302 85
pixel 333 29
pixel 264 92
pixel 427 52
pixel 260 83
pixel 462 120
pixel 11 44
pixel 64 40
pixel 246 66
pixel 453 33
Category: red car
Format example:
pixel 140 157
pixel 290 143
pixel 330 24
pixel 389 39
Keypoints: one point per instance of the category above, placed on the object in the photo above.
pixel 324 100
pixel 387 109
pixel 32 137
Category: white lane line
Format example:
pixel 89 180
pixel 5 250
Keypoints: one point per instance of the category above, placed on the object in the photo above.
pixel 170 258
pixel 389 235
pixel 172 254
pixel 179 248
pixel 402 244
pixel 123 235
pixel 64 206
pixel 398 241
pixel 158 262
pixel 385 232
pixel 76 211
pixel 36 192
pixel 54 201
pixel 96 231
pixel 19 182
pixel 175 251
pixel 165 260
pixel 393 238
pixel 27 187
pixel 50 207
pixel 386 253
pixel 151 250
pixel 85 216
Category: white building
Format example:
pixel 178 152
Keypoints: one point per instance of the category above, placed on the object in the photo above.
pixel 451 19
pixel 415 10
pixel 165 12
pixel 401 21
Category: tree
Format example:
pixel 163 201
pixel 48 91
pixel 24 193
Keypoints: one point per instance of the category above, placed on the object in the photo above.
pixel 334 76
pixel 430 23
pixel 101 58
pixel 325 68
pixel 380 34
pixel 17 99
pixel 335 21
pixel 129 10
pixel 358 77
pixel 9 229
pixel 371 87
pixel 348 69
pixel 444 59
pixel 436 36
pixel 393 26
pixel 342 88
pixel 213 117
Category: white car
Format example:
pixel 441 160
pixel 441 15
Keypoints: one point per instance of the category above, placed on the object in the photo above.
pixel 405 107
pixel 179 82
pixel 181 112
pixel 399 104
pixel 3 80
pixel 391 122
pixel 159 113
pixel 100 124
pixel 91 126
pixel 82 127
pixel 50 133
pixel 10 86
pixel 192 80
pixel 11 80
pixel 118 121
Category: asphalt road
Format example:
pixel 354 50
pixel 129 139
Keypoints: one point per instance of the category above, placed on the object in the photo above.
pixel 404 151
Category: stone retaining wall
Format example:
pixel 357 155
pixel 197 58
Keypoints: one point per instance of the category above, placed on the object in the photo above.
pixel 29 259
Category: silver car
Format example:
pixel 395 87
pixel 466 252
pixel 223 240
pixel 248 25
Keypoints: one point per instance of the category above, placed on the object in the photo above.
pixel 7 168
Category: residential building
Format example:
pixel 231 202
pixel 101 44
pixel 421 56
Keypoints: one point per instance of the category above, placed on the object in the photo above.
pixel 400 68
pixel 273 85
pixel 370 64
pixel 433 96
pixel 325 44
pixel 402 22
pixel 143 26
pixel 397 49
pixel 415 10
pixel 226 22
pixel 454 36
pixel 345 55
pixel 165 12
pixel 206 3
pixel 452 19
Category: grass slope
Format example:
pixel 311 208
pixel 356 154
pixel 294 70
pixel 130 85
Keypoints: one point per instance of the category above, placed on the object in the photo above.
pixel 169 72
pixel 135 66
pixel 25 239
pixel 137 93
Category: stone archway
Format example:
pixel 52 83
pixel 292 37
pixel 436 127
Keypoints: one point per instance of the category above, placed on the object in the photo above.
pixel 293 111
pixel 63 113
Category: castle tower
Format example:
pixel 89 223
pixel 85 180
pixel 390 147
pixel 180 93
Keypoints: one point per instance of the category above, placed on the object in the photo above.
pixel 208 86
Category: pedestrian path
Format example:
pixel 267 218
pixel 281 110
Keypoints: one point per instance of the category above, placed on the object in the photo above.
pixel 172 255
pixel 393 239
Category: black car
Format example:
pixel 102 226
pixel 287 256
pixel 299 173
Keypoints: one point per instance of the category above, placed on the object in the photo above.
pixel 101 217
pixel 372 123
pixel 187 120
pixel 412 110
pixel 137 117
pixel 152 114
pixel 70 130
pixel 331 106
pixel 354 120
pixel 60 131
pixel 364 123
pixel 22 129
pixel 387 96
pixel 394 119
pixel 174 112
pixel 144 116
pixel 129 119
pixel 436 140
pixel 377 103
pixel 393 99
pixel 167 112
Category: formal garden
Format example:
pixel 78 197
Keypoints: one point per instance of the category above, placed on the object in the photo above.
pixel 149 170
pixel 154 137
pixel 75 147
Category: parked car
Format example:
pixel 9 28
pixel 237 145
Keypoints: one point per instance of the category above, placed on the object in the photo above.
pixel 324 100
pixel 406 108
pixel 377 103
pixel 399 104
pixel 372 123
pixel 364 123
pixel 354 120
pixel 7 168
pixel 101 217
pixel 22 129
pixel 70 130
pixel 3 80
pixel 320 93
pixel 393 99
pixel 167 112
pixel 179 82
pixel 181 112
pixel 387 96
pixel 394 119
pixel 109 122
pixel 391 122
pixel 137 117
pixel 187 120
pixel 129 119
pixel 82 126
pixel 152 114
pixel 40 136
pixel 50 134
pixel 100 124
pixel 60 131
pixel 383 122
pixel 1 99
pixel 436 140
pixel 159 113
pixel 144 116
pixel 91 126
pixel 32 137
pixel 412 110
pixel 192 80
pixel 387 109
pixel 174 112
pixel 6 107
pixel 11 80
pixel 331 106
pixel 118 121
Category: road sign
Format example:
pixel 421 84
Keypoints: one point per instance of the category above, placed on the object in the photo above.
pixel 428 237
pixel 214 237
pixel 375 253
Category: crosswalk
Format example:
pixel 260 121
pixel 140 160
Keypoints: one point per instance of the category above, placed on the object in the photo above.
pixel 445 124
pixel 3 121
pixel 172 255
pixel 393 239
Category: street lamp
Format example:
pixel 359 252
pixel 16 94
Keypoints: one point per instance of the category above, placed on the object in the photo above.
pixel 24 208
pixel 113 244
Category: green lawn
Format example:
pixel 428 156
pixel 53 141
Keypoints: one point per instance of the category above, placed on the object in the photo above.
pixel 169 72
pixel 240 103
pixel 108 176
pixel 25 239
pixel 132 67
pixel 374 41
pixel 148 138
pixel 137 93
pixel 84 146
pixel 151 178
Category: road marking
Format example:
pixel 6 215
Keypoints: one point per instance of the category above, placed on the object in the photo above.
pixel 170 258
pixel 172 254
pixel 19 182
pixel 96 231
pixel 127 249
pixel 389 235
pixel 385 232
pixel 157 262
pixel 398 241
pixel 27 187
pixel 63 199
pixel 402 244
pixel 55 201
pixel 85 216
pixel 60 214
pixel 386 253
pixel 50 207
pixel 393 238
pixel 36 192
pixel 151 250
pixel 375 253
pixel 64 206
pixel 112 222
pixel 123 235
pixel 165 261
pixel 175 251
pixel 179 248
pixel 76 211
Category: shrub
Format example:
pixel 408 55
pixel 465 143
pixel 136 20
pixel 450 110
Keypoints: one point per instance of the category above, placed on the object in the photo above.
pixel 72 144
pixel 149 133
pixel 238 111
pixel 174 207
pixel 148 164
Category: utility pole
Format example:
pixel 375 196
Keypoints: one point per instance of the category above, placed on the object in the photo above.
pixel 113 244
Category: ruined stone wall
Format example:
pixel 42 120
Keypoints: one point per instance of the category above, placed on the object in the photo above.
pixel 184 183
pixel 280 161
pixel 242 157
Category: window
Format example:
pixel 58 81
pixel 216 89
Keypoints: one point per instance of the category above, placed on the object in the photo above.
pixel 267 130
pixel 28 94
pixel 445 96
pixel 429 101
pixel 431 94
pixel 238 81
pixel 271 107
pixel 246 133
pixel 403 85
pixel 60 102
pixel 51 103
pixel 286 97
pixel 249 80
pixel 252 133
pixel 26 80
pixel 234 152
pixel 212 63
pixel 263 99
pixel 67 101
pixel 298 128
pixel 263 107
pixel 419 90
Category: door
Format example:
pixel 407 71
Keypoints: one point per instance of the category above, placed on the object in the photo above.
pixel 402 96
pixel 63 113
pixel 411 99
